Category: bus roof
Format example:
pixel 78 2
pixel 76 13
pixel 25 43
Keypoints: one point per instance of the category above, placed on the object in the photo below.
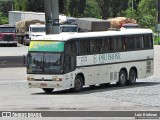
pixel 68 36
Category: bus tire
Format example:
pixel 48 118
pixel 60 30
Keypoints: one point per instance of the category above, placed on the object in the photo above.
pixel 132 77
pixel 48 90
pixel 78 84
pixel 122 78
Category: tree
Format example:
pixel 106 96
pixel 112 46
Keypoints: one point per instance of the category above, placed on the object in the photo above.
pixel 81 7
pixel 77 7
pixel 92 9
pixel 117 6
pixel 35 5
pixel 62 6
pixel 111 8
pixel 5 6
pixel 104 6
pixel 20 5
pixel 131 12
pixel 3 19
pixel 147 12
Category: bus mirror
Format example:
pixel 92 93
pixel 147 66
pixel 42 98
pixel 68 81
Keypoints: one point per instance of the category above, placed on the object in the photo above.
pixel 25 60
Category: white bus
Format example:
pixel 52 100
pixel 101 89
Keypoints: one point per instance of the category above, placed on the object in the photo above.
pixel 75 60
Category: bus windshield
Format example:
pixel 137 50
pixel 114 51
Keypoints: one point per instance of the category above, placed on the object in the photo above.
pixel 47 63
pixel 38 29
pixel 69 28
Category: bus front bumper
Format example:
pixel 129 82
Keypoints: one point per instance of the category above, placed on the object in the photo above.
pixel 47 84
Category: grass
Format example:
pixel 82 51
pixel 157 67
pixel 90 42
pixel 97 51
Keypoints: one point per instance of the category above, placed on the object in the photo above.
pixel 156 40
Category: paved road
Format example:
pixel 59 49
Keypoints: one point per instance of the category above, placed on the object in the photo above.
pixel 12 56
pixel 15 94
pixel 20 50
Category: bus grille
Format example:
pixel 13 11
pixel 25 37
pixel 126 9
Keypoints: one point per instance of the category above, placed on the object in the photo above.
pixel 8 38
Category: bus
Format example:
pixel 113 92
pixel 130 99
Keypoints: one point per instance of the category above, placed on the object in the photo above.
pixel 74 60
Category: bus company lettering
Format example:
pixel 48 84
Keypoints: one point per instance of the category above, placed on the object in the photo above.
pixel 109 56
pixel 83 59
pixel 45 45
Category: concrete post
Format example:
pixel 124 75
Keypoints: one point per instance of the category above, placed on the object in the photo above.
pixel 55 16
pixel 48 18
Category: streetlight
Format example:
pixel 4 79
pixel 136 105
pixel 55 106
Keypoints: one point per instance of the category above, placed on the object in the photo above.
pixel 132 5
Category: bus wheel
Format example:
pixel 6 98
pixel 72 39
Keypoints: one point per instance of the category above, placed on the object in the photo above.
pixel 48 90
pixel 122 78
pixel 78 84
pixel 132 77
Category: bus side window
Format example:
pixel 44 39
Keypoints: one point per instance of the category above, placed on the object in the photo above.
pixel 70 47
pixel 114 44
pixel 92 46
pixel 98 45
pixel 84 47
pixel 120 43
pixel 141 42
pixel 137 42
pixel 95 45
pixel 147 39
pixel 130 43
pixel 105 45
pixel 111 44
pixel 124 43
pixel 70 63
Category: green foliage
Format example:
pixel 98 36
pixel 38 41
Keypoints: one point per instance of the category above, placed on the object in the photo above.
pixel 35 5
pixel 147 13
pixel 20 5
pixel 130 13
pixel 3 19
pixel 117 6
pixel 77 7
pixel 91 10
pixel 5 6
pixel 104 6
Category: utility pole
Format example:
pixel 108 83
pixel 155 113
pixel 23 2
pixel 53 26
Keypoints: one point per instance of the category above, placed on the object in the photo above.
pixel 132 6
pixel 48 18
pixel 51 16
pixel 158 10
pixel 55 16
pixel 158 19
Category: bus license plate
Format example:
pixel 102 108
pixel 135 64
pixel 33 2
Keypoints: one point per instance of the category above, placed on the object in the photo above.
pixel 43 85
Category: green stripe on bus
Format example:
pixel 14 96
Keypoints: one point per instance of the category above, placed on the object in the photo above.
pixel 47 46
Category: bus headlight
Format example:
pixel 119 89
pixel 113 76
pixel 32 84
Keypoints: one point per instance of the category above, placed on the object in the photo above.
pixel 56 79
pixel 30 79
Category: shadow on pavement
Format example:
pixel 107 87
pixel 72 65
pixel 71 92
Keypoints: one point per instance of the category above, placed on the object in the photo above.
pixel 96 89
pixel 11 61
